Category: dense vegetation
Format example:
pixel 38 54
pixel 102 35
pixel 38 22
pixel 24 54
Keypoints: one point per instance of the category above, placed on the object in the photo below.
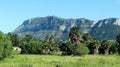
pixel 33 47
pixel 78 44
pixel 49 52
pixel 5 46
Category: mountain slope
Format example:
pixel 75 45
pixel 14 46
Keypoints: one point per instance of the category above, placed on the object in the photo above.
pixel 59 27
pixel 107 28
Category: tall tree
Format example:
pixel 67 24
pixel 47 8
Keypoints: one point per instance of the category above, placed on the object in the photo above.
pixel 86 37
pixel 94 46
pixel 49 45
pixel 74 34
pixel 29 38
pixel 5 46
pixel 118 41
pixel 118 38
pixel 65 47
pixel 105 46
pixel 49 38
pixel 15 39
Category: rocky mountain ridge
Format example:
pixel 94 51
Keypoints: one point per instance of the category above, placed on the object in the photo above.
pixel 59 27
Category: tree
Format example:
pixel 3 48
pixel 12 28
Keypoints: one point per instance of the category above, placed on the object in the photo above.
pixel 86 37
pixel 118 38
pixel 113 49
pixel 65 47
pixel 5 46
pixel 118 41
pixel 94 46
pixel 49 46
pixel 74 34
pixel 15 39
pixel 49 38
pixel 29 38
pixel 105 46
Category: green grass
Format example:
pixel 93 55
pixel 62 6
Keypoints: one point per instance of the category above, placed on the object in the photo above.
pixel 61 61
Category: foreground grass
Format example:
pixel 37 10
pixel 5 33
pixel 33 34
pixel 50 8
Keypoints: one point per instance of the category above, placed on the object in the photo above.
pixel 61 61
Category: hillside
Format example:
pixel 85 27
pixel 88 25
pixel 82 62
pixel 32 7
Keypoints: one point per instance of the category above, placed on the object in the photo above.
pixel 59 27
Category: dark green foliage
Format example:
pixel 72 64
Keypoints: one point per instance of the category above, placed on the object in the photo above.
pixel 86 37
pixel 15 39
pixel 74 34
pixel 80 49
pixel 33 47
pixel 105 46
pixel 28 38
pixel 65 47
pixel 94 46
pixel 118 38
pixel 5 46
pixel 113 48
pixel 49 38
pixel 68 48
pixel 118 41
pixel 76 47
pixel 49 46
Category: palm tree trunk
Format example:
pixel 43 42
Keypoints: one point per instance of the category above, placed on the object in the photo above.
pixel 106 51
pixel 96 50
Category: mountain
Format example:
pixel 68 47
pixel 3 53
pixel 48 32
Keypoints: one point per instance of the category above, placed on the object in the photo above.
pixel 40 27
pixel 107 28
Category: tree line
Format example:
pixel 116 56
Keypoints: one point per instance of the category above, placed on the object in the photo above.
pixel 77 44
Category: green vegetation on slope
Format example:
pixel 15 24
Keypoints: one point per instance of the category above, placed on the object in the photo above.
pixel 61 61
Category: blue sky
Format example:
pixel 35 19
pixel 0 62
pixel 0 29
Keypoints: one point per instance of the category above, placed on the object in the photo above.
pixel 14 12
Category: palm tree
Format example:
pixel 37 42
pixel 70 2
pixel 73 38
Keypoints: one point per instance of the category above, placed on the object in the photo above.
pixel 86 37
pixel 118 38
pixel 74 34
pixel 94 46
pixel 105 46
pixel 118 41
pixel 65 47
pixel 29 38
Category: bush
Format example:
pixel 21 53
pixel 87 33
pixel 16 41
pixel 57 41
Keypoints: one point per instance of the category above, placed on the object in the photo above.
pixel 33 47
pixel 65 47
pixel 113 48
pixel 5 46
pixel 80 49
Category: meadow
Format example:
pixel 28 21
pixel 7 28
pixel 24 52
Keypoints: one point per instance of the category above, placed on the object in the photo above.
pixel 61 61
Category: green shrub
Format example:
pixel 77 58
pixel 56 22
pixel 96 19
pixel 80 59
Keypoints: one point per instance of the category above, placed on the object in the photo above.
pixel 33 47
pixel 80 49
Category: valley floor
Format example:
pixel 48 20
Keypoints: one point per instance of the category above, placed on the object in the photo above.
pixel 61 61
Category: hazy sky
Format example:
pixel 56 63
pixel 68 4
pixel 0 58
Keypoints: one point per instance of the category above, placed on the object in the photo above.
pixel 14 12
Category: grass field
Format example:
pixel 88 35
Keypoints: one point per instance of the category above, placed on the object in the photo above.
pixel 61 61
